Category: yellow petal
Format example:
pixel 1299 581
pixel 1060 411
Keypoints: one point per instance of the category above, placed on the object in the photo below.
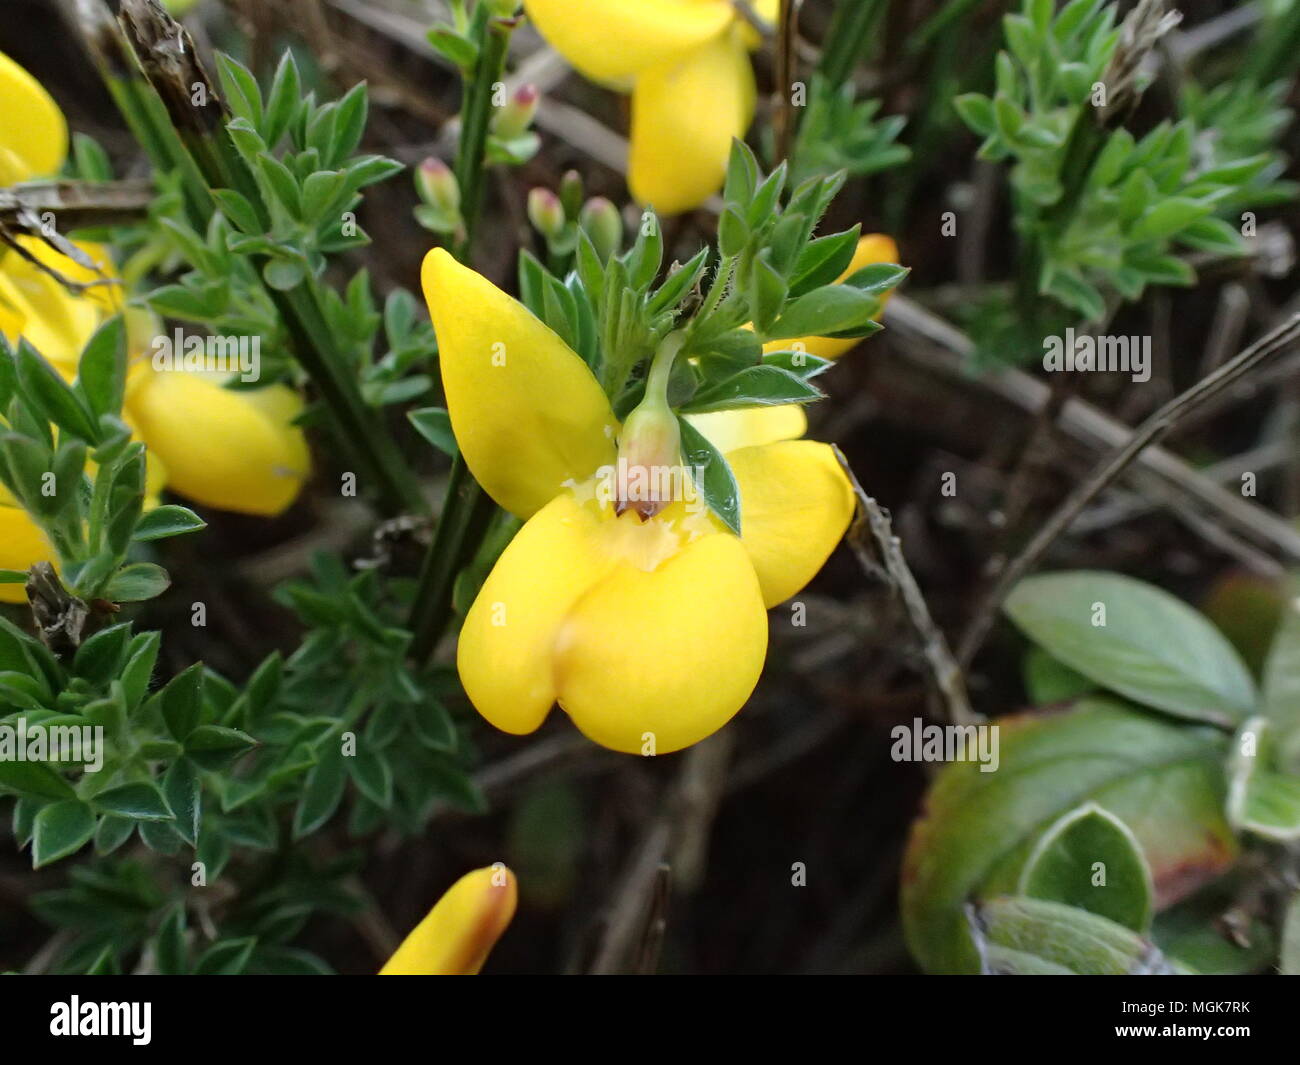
pixel 796 504
pixel 730 430
pixel 665 657
pixel 22 545
pixel 872 248
pixel 33 135
pixel 55 320
pixel 612 39
pixel 506 644
pixel 526 410
pixel 685 113
pixel 236 450
pixel 461 930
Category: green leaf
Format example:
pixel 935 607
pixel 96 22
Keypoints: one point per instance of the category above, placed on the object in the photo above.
pixel 372 774
pixel 102 370
pixel 167 520
pixel 43 383
pixel 140 801
pixel 1089 859
pixel 1280 700
pixel 282 103
pixel 62 828
pixel 112 833
pixel 1167 218
pixel 182 702
pixel 34 778
pixel 976 111
pixel 833 309
pixel 98 658
pixel 281 183
pixel 712 475
pixel 757 386
pixel 462 52
pixel 733 233
pixel 1049 681
pixel 1016 936
pixel 321 792
pixel 1260 799
pixel 171 954
pixel 136 582
pixel 229 957
pixel 182 789
pixel 823 261
pixel 1135 639
pixel 1164 780
pixel 434 424
pixel 1289 963
pixel 215 746
pixel 241 213
pixel 241 90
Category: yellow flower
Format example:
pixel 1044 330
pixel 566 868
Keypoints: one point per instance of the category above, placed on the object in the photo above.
pixel 687 63
pixel 22 545
pixel 34 135
pixel 872 248
pixel 461 930
pixel 649 632
pixel 235 450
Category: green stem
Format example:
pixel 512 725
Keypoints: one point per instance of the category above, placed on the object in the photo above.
pixel 476 115
pixel 846 39
pixel 466 515
pixel 198 145
pixel 467 510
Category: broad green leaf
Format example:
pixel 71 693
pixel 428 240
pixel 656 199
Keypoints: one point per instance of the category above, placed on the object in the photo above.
pixel 1280 700
pixel 1163 779
pixel 1049 681
pixel 1260 799
pixel 1089 859
pixel 1137 640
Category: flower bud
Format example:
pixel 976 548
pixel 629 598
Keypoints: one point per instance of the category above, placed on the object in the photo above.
pixel 516 116
pixel 437 186
pixel 602 223
pixel 546 213
pixel 571 193
pixel 649 459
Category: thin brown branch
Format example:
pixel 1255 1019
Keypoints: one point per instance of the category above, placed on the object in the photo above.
pixel 1151 430
pixel 884 556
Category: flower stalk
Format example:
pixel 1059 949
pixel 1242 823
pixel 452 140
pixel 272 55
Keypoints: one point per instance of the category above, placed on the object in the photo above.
pixel 467 511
